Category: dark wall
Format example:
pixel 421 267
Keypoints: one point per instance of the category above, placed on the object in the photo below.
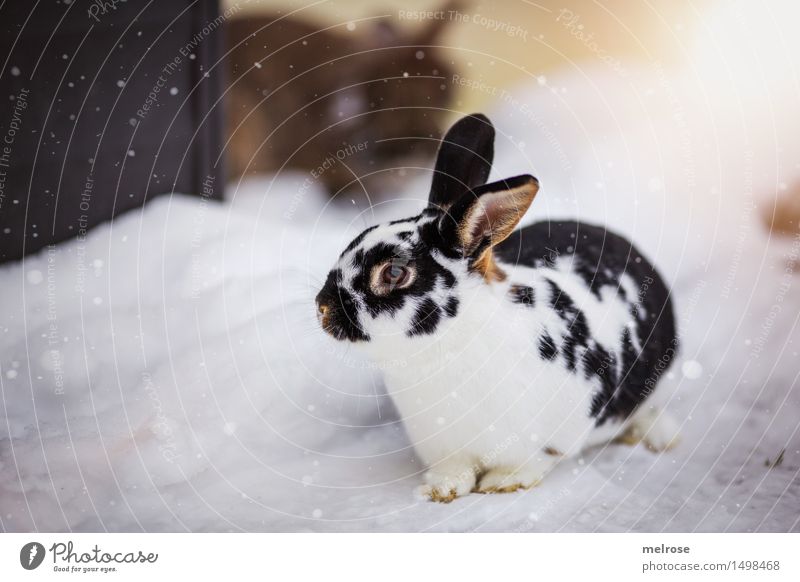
pixel 103 106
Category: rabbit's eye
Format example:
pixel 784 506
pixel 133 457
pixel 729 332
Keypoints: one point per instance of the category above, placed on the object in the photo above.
pixel 398 273
pixel 394 275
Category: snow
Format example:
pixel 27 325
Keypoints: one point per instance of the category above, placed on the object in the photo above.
pixel 167 373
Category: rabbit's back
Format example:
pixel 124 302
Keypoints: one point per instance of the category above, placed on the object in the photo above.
pixel 614 309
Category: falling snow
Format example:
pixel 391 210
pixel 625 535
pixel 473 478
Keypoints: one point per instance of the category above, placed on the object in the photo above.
pixel 283 429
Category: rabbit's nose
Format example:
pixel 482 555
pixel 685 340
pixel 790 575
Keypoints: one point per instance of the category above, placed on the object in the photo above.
pixel 323 312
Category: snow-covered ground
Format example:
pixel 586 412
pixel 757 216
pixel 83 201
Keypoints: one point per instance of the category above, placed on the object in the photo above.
pixel 168 373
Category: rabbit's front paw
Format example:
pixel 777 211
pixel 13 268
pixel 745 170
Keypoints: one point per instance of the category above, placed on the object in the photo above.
pixel 446 481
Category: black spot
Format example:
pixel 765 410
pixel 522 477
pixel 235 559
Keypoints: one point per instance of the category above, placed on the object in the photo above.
pixel 358 258
pixel 431 237
pixel 449 278
pixel 403 220
pixel 523 295
pixel 451 307
pixel 547 347
pixel 638 380
pixel 356 241
pixel 577 334
pixel 334 277
pixel 568 350
pixel 597 362
pixel 426 319
pixel 561 302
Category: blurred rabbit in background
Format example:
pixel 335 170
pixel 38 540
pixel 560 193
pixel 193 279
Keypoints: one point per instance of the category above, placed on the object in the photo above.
pixel 783 217
pixel 346 103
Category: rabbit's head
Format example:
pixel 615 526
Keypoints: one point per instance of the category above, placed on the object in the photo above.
pixel 404 278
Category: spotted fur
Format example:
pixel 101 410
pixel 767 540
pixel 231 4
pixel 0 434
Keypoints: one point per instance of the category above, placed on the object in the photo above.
pixel 557 347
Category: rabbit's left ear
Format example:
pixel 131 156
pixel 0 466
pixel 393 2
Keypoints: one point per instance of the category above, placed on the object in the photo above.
pixel 485 216
pixel 464 160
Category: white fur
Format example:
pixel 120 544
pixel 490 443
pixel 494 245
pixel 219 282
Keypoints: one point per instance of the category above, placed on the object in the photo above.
pixel 477 399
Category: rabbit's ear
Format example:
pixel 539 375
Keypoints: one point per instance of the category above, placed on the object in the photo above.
pixel 485 216
pixel 464 160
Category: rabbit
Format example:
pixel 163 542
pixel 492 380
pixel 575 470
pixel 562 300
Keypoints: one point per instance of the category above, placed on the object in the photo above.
pixel 360 99
pixel 521 347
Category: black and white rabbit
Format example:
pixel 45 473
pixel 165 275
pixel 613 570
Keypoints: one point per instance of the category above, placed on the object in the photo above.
pixel 519 348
